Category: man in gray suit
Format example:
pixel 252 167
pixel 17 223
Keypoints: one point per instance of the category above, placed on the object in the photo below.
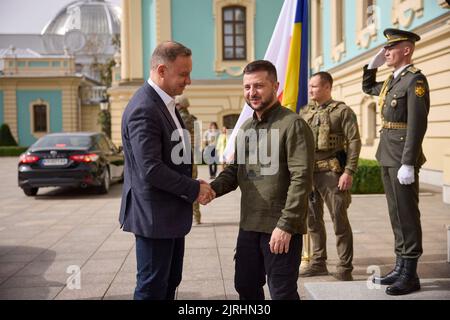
pixel 158 190
pixel 404 101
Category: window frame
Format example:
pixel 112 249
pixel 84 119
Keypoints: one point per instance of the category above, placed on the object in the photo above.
pixel 234 35
pixel 39 102
pixel 233 67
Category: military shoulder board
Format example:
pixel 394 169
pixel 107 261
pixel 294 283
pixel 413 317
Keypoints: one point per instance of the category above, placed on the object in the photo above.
pixel 413 69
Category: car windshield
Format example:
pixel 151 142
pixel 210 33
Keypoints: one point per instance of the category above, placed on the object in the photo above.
pixel 63 142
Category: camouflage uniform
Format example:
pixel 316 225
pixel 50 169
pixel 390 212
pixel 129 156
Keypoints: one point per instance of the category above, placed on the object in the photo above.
pixel 189 120
pixel 338 145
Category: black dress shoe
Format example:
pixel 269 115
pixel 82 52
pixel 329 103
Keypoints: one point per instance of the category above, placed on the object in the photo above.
pixel 407 282
pixel 392 276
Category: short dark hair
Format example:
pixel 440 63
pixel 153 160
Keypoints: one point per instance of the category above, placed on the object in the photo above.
pixel 168 51
pixel 324 77
pixel 214 124
pixel 262 65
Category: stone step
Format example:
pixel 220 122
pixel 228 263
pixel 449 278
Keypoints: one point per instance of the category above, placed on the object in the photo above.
pixel 431 289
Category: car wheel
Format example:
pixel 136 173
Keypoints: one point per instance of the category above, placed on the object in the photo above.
pixel 30 191
pixel 106 182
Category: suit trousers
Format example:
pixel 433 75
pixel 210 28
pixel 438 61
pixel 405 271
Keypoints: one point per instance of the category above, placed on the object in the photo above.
pixel 403 205
pixel 326 190
pixel 253 261
pixel 159 268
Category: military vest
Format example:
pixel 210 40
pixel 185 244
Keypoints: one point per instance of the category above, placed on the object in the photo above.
pixel 318 119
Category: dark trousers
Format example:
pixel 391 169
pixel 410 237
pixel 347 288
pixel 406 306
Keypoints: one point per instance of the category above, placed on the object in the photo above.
pixel 254 261
pixel 403 204
pixel 159 268
pixel 213 166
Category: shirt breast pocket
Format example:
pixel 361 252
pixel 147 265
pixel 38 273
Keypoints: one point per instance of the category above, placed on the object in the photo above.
pixel 398 106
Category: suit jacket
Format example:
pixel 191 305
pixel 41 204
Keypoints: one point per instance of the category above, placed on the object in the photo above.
pixel 408 101
pixel 157 194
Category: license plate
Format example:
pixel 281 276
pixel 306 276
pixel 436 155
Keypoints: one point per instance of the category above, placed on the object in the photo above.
pixel 54 162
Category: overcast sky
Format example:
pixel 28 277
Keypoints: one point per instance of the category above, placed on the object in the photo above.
pixel 30 16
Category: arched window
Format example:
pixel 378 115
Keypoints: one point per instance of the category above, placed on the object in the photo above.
pixel 369 122
pixel 317 35
pixel 234 33
pixel 39 111
pixel 40 118
pixel 366 22
pixel 234 39
pixel 338 31
pixel 229 121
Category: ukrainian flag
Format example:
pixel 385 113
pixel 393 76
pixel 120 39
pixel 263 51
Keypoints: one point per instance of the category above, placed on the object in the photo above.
pixel 288 51
pixel 295 91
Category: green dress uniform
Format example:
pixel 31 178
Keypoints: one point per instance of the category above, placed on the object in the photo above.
pixel 337 148
pixel 189 121
pixel 405 103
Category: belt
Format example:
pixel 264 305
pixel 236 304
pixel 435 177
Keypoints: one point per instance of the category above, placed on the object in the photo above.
pixel 331 164
pixel 394 125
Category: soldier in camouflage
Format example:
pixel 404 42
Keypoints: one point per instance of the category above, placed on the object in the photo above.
pixel 337 148
pixel 404 100
pixel 182 104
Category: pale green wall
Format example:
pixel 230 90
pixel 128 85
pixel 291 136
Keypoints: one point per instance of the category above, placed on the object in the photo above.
pixel 431 11
pixel 24 98
pixel 193 25
pixel 148 33
pixel 267 12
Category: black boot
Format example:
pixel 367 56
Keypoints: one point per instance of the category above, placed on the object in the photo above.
pixel 408 281
pixel 392 276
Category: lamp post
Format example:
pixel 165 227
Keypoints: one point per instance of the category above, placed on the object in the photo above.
pixel 104 117
pixel 104 105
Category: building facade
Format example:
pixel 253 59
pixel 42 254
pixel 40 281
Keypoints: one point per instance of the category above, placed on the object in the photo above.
pixel 43 94
pixel 224 36
pixel 52 82
pixel 346 34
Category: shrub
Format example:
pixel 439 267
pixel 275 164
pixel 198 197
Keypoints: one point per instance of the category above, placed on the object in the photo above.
pixel 6 137
pixel 12 151
pixel 367 178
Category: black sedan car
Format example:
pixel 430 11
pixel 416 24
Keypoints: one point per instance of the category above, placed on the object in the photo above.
pixel 77 159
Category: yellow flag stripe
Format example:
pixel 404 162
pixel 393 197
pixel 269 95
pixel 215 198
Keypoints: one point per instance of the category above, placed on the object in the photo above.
pixel 290 92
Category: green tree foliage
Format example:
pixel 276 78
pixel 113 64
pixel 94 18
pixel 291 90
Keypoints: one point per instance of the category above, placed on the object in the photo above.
pixel 367 178
pixel 104 120
pixel 6 137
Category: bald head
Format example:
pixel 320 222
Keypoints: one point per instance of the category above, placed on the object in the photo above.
pixel 167 52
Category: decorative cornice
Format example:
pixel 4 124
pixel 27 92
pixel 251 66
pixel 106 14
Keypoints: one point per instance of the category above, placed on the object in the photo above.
pixel 405 11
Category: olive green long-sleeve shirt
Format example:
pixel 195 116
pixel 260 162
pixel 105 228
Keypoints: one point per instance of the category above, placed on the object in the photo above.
pixel 274 193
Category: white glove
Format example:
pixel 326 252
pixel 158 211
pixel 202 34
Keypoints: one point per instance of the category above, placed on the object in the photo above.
pixel 405 174
pixel 378 60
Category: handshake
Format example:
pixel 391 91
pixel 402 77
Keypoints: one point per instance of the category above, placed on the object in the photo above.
pixel 206 193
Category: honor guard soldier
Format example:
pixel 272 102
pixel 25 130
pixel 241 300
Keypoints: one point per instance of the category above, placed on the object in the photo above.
pixel 337 148
pixel 404 102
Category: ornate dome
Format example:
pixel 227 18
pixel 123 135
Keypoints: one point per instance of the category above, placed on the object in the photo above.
pixel 84 27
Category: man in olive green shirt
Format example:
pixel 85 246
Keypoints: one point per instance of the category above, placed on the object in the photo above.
pixel 274 189
pixel 337 149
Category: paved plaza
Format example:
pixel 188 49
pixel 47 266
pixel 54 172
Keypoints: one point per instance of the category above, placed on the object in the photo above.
pixel 45 239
